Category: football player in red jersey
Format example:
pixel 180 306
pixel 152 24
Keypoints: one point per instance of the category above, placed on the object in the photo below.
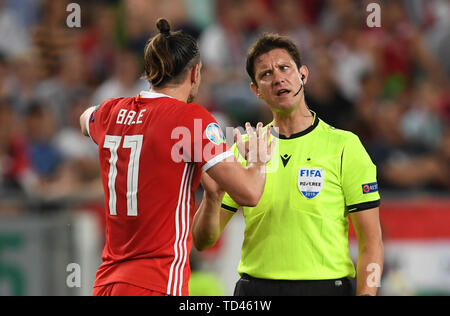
pixel 150 175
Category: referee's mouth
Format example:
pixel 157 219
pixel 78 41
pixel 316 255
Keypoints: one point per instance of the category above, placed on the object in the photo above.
pixel 282 92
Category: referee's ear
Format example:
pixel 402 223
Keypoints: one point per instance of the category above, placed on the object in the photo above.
pixel 255 89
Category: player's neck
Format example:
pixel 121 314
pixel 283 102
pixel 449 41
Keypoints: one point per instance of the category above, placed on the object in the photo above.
pixel 294 122
pixel 178 92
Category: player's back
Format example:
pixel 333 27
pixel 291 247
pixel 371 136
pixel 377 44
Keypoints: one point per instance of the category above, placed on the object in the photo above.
pixel 148 192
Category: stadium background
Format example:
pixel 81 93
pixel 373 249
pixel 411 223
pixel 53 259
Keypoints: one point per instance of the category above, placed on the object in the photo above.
pixel 390 85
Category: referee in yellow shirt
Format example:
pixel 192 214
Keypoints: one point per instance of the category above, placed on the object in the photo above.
pixel 296 238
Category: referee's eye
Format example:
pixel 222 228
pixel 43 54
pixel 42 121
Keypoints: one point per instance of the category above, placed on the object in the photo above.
pixel 265 74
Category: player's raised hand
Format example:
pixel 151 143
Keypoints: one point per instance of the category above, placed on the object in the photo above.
pixel 241 146
pixel 267 145
pixel 258 148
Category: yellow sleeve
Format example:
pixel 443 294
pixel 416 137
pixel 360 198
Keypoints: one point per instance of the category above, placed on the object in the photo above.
pixel 358 177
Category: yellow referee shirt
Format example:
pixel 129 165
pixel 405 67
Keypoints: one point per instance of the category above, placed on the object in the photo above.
pixel 299 229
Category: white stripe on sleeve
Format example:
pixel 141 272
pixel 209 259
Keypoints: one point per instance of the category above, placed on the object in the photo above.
pixel 216 160
pixel 175 282
pixel 88 118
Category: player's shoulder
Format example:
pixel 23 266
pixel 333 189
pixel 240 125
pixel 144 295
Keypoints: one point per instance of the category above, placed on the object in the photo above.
pixel 196 111
pixel 110 103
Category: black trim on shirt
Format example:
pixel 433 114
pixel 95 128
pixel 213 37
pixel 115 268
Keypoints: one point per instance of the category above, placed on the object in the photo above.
pixel 363 206
pixel 299 134
pixel 229 208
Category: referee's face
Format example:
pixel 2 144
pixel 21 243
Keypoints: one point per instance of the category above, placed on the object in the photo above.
pixel 278 80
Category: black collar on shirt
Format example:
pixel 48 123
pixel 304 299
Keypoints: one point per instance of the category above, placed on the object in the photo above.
pixel 299 134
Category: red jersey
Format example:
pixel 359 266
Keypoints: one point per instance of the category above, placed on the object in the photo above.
pixel 152 151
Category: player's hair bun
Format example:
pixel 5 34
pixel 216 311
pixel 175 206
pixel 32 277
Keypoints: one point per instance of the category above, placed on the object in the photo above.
pixel 169 55
pixel 163 26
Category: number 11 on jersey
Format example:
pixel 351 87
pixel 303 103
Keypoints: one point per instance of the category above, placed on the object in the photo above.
pixel 133 142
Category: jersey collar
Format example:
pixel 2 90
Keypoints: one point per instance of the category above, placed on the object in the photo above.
pixel 152 95
pixel 299 134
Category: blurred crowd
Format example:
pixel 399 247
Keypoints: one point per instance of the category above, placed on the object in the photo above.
pixel 390 85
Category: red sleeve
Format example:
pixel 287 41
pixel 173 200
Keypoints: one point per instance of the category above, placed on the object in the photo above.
pixel 95 120
pixel 208 144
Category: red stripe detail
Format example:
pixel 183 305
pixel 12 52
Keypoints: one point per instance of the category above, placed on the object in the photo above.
pixel 425 219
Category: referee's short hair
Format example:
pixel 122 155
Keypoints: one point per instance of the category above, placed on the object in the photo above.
pixel 267 42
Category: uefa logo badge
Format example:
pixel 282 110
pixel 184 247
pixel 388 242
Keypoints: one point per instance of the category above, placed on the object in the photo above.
pixel 366 188
pixel 370 187
pixel 215 134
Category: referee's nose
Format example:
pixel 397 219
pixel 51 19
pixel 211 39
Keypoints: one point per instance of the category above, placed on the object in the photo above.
pixel 278 78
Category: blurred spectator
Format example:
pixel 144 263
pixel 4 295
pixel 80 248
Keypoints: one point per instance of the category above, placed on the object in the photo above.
pixel 224 46
pixel 139 17
pixel 404 51
pixel 429 171
pixel 55 92
pixel 60 172
pixel 390 85
pixel 351 57
pixel 367 106
pixel 137 23
pixel 40 131
pixel 383 134
pixel 125 82
pixel 27 11
pixel 23 82
pixel 4 76
pixel 51 37
pixel 98 44
pixel 334 13
pixel 431 17
pixel 70 142
pixel 16 177
pixel 200 12
pixel 291 20
pixel 323 95
pixel 175 11
pixel 421 124
pixel 79 178
pixel 438 30
pixel 13 35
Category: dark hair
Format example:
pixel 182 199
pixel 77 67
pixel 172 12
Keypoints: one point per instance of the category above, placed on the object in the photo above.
pixel 169 55
pixel 35 109
pixel 266 43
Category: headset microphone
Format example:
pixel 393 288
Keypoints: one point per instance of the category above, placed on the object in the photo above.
pixel 301 87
